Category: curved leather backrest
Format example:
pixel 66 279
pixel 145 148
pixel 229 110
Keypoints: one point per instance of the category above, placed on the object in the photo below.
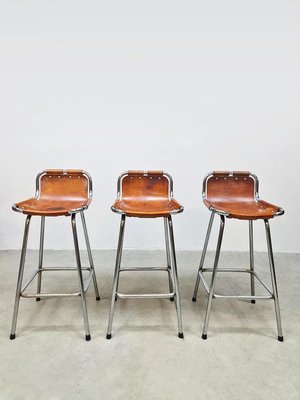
pixel 144 184
pixel 58 184
pixel 230 186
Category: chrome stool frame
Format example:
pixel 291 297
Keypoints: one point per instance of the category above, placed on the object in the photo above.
pixel 83 285
pixel 171 267
pixel 209 288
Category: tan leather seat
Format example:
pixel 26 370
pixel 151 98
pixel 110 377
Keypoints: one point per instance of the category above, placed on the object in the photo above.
pixel 235 194
pixel 146 195
pixel 60 193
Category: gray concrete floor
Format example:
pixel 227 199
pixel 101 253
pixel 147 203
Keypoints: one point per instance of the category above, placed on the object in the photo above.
pixel 242 359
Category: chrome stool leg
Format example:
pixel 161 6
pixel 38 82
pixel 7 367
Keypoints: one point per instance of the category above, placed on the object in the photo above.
pixel 20 278
pixel 41 254
pixel 211 220
pixel 274 282
pixel 175 276
pixel 116 276
pixel 213 278
pixel 251 252
pixel 168 256
pixel 82 291
pixel 87 241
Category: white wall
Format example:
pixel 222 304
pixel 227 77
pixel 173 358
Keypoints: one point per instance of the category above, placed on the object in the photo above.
pixel 185 86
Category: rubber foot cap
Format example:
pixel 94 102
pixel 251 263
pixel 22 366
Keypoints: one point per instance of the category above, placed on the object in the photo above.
pixel 98 298
pixel 194 299
pixel 180 335
pixel 171 298
pixel 253 301
pixel 38 299
pixel 87 338
pixel 204 336
pixel 12 337
pixel 280 338
pixel 108 336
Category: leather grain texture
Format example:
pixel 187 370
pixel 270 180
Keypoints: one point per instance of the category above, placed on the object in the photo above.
pixel 60 193
pixel 234 194
pixel 146 195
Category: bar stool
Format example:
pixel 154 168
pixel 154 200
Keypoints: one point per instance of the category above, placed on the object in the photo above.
pixel 58 193
pixel 235 195
pixel 147 195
